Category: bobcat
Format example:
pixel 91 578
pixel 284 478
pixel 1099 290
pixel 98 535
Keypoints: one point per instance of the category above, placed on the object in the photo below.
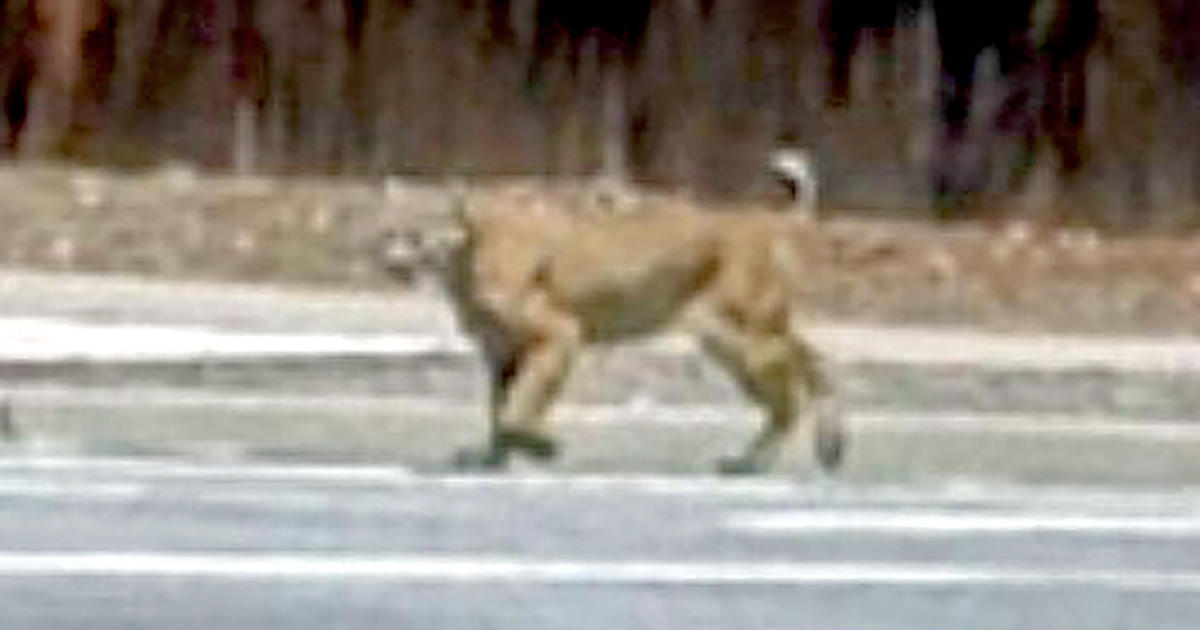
pixel 535 284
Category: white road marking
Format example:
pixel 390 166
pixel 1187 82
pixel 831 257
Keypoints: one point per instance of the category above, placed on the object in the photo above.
pixel 844 509
pixel 71 490
pixel 41 339
pixel 142 397
pixel 941 523
pixel 1040 425
pixel 151 469
pixel 1047 353
pixel 828 491
pixel 58 339
pixel 483 569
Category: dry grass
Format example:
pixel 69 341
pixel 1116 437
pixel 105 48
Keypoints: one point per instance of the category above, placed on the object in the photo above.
pixel 173 223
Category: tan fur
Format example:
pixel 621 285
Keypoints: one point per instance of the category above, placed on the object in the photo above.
pixel 535 285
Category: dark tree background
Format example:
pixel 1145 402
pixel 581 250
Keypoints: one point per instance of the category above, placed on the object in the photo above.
pixel 669 92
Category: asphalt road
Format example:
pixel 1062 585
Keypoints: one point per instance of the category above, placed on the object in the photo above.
pixel 212 527
pixel 92 364
pixel 146 543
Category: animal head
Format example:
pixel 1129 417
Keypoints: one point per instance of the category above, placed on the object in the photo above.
pixel 424 245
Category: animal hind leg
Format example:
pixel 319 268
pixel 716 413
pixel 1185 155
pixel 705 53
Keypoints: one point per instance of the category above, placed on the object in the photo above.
pixel 830 437
pixel 763 366
pixel 769 379
pixel 767 366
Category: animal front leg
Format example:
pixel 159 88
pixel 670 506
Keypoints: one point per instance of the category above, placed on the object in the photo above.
pixel 519 421
pixel 502 368
pixel 521 391
pixel 523 386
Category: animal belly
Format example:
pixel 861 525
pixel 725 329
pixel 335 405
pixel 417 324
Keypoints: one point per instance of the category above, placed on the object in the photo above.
pixel 629 285
pixel 630 309
pixel 610 320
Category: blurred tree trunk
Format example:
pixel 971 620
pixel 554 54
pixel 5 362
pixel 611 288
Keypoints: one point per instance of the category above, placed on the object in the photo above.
pixel 670 110
pixel 1131 106
pixel 384 63
pixel 58 32
pixel 17 66
pixel 249 68
pixel 280 105
pixel 355 136
pixel 782 41
pixel 136 32
pixel 1180 24
pixel 323 70
pixel 614 120
pixel 677 92
pixel 186 95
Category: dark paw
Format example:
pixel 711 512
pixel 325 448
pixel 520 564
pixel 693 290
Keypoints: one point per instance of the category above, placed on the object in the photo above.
pixel 738 466
pixel 831 450
pixel 536 446
pixel 830 444
pixel 480 460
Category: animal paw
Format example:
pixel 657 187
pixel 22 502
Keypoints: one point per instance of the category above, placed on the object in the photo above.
pixel 480 459
pixel 831 450
pixel 740 465
pixel 830 441
pixel 536 446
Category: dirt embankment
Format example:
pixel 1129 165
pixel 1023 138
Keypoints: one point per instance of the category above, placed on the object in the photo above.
pixel 175 223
